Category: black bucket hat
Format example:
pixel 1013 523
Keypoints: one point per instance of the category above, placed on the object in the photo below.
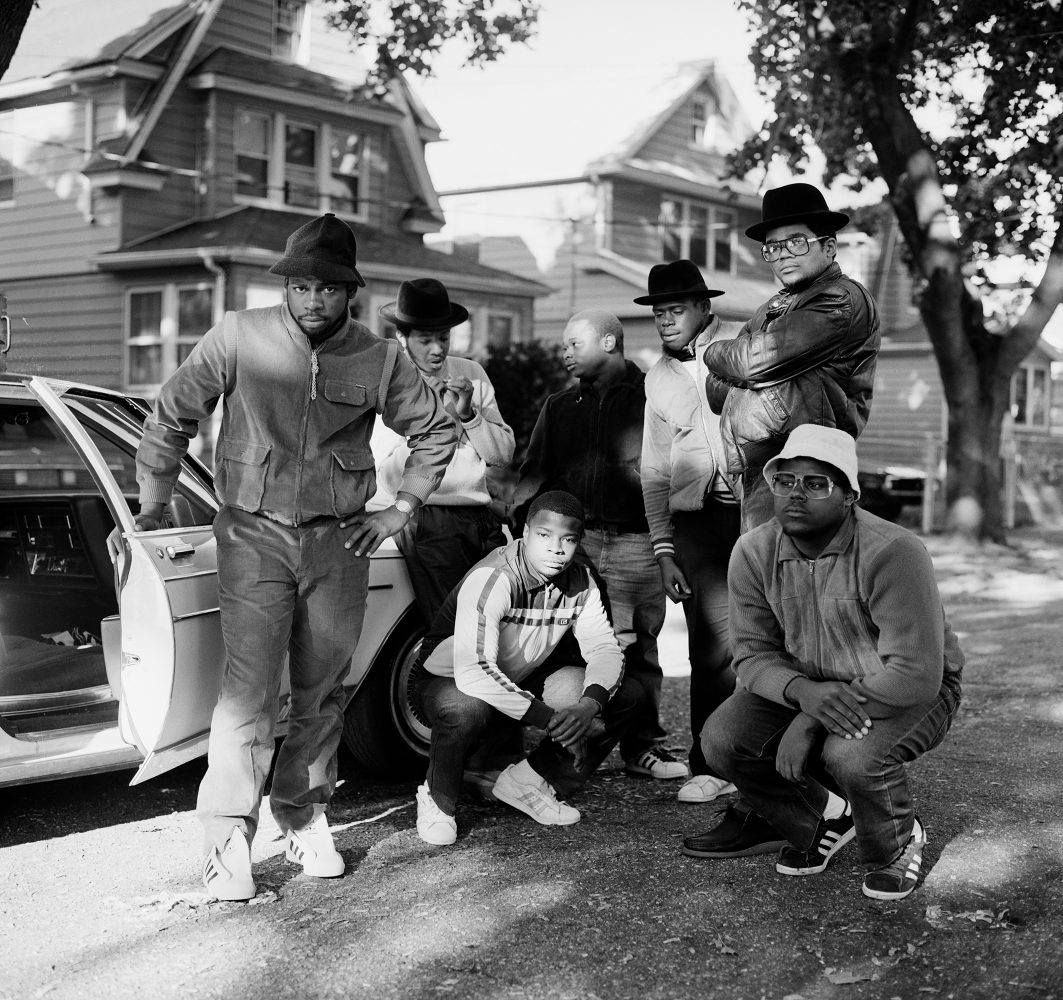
pixel 423 304
pixel 325 248
pixel 679 279
pixel 794 203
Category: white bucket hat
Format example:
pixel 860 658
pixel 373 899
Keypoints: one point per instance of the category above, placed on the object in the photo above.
pixel 825 444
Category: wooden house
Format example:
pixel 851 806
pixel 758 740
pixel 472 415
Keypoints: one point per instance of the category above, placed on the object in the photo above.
pixel 155 155
pixel 628 191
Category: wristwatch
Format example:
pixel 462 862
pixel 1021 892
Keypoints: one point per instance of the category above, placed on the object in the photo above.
pixel 405 506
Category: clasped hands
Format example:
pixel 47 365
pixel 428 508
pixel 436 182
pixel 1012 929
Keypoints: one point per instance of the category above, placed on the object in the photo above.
pixel 570 725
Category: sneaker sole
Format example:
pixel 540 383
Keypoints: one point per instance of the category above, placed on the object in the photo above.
pixel 691 800
pixel 767 847
pixel 816 869
pixel 518 803
pixel 879 894
pixel 442 840
pixel 314 870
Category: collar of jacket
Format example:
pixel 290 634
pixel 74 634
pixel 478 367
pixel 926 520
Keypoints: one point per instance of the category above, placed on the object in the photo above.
pixel 842 540
pixel 633 375
pixel 699 343
pixel 831 273
pixel 530 580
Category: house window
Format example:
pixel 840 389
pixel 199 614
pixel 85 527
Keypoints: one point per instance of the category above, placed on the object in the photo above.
pixel 699 118
pixel 702 233
pixel 1031 401
pixel 163 324
pixel 254 141
pixel 290 34
pixel 7 158
pixel 280 161
pixel 300 165
pixel 501 329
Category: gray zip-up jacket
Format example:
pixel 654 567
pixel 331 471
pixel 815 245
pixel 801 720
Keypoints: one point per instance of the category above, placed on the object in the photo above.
pixel 296 422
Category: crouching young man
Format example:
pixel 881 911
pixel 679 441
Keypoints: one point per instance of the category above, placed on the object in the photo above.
pixel 847 670
pixel 487 657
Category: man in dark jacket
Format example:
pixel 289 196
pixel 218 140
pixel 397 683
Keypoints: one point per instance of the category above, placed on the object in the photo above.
pixel 588 442
pixel 806 356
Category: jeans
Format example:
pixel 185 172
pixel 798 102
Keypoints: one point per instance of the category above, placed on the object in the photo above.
pixel 743 736
pixel 460 723
pixel 290 593
pixel 440 544
pixel 631 583
pixel 703 542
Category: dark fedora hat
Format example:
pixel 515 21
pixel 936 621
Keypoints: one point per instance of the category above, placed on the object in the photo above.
pixel 324 248
pixel 423 304
pixel 794 203
pixel 679 279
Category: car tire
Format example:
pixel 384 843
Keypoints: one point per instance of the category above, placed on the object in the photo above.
pixel 382 728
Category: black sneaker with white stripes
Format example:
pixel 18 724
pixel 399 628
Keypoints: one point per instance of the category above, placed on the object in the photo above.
pixel 831 837
pixel 899 879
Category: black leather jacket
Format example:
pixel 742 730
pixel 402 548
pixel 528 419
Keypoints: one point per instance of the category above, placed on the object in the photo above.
pixel 806 358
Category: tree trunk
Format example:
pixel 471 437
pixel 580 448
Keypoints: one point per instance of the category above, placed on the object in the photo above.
pixel 13 17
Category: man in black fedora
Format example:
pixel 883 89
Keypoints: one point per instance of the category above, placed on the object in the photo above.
pixel 457 527
pixel 807 355
pixel 301 384
pixel 690 507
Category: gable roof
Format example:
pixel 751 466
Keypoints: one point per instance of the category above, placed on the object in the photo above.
pixel 256 236
pixel 75 34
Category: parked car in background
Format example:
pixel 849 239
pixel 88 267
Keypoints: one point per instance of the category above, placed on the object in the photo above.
pixel 887 490
pixel 112 658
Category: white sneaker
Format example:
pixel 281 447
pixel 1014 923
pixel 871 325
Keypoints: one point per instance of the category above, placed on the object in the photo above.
pixel 656 763
pixel 227 873
pixel 520 787
pixel 312 848
pixel 433 825
pixel 704 788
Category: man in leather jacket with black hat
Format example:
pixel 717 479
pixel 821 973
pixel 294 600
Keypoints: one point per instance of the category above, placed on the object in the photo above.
pixel 807 355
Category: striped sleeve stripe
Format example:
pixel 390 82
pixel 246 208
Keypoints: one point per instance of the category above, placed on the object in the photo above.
pixel 493 581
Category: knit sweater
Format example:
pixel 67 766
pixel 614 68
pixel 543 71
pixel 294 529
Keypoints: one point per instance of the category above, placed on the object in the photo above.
pixel 503 622
pixel 866 611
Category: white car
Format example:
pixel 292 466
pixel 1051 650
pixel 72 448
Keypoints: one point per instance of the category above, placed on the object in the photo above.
pixel 113 659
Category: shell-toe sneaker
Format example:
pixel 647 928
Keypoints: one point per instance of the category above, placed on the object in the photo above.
pixel 522 788
pixel 831 836
pixel 312 848
pixel 433 825
pixel 703 788
pixel 227 873
pixel 656 762
pixel 899 878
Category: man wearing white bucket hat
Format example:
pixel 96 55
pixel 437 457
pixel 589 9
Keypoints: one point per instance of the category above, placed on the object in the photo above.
pixel 847 671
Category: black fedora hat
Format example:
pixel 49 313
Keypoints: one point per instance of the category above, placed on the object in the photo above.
pixel 794 203
pixel 679 279
pixel 423 304
pixel 324 248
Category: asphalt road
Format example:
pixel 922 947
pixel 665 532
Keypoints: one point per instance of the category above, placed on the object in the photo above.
pixel 99 896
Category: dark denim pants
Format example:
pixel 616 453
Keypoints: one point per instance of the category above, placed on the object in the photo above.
pixel 703 543
pixel 284 593
pixel 741 740
pixel 462 723
pixel 631 585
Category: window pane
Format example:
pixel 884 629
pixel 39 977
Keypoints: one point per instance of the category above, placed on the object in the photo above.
pixel 300 145
pixel 1018 381
pixel 499 329
pixel 699 235
pixel 252 177
pixel 145 364
pixel 722 226
pixel 300 173
pixel 252 133
pixel 1039 398
pixel 253 141
pixel 671 233
pixel 145 314
pixel 288 19
pixel 345 163
pixel 194 311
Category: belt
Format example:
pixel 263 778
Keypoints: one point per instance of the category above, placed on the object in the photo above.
pixel 636 527
pixel 276 518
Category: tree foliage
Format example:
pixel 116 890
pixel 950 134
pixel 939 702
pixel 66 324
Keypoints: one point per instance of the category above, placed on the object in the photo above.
pixel 409 36
pixel 13 17
pixel 955 104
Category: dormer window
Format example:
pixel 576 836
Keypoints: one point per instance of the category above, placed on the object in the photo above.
pixel 699 119
pixel 291 34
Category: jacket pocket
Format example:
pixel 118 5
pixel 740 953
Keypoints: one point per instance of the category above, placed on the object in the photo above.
pixel 241 473
pixel 345 393
pixel 353 481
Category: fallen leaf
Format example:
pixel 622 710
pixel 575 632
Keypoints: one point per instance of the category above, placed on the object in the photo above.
pixel 842 976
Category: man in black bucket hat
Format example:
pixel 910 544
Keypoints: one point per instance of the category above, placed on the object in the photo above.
pixel 806 356
pixel 301 384
pixel 458 526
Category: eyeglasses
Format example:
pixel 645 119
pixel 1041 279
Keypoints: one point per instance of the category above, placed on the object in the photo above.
pixel 797 245
pixel 814 486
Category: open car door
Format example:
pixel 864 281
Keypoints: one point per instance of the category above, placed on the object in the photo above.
pixel 172 654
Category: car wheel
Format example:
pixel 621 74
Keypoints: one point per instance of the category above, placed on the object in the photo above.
pixel 382 728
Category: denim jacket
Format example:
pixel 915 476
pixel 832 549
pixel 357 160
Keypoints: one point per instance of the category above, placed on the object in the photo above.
pixel 296 423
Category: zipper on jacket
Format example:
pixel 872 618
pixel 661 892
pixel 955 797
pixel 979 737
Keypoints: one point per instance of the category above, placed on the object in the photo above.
pixel 314 369
pixel 815 611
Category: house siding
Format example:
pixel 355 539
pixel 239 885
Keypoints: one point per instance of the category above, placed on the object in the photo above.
pixel 671 142
pixel 242 24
